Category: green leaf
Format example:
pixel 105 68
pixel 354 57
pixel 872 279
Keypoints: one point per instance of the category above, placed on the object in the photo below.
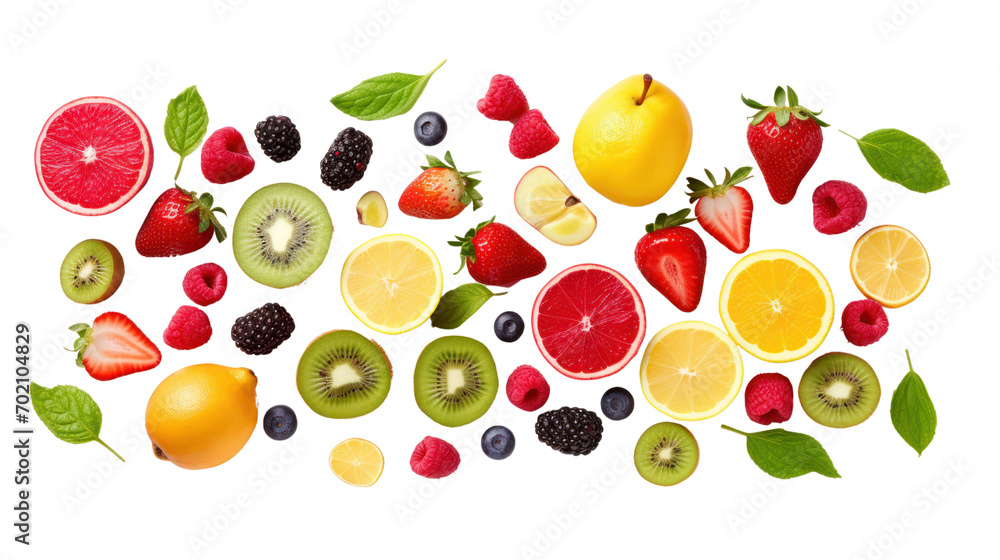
pixel 458 305
pixel 784 454
pixel 898 157
pixel 912 411
pixel 384 96
pixel 69 413
pixel 187 122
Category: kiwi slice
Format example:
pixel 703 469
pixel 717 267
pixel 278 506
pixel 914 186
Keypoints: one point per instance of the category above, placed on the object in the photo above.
pixel 839 390
pixel 666 454
pixel 281 234
pixel 343 375
pixel 455 380
pixel 92 271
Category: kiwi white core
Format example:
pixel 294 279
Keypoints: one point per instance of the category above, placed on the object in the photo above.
pixel 86 270
pixel 343 374
pixel 280 232
pixel 456 380
pixel 666 453
pixel 839 390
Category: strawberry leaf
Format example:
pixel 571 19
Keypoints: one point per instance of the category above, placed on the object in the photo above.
pixel 898 157
pixel 384 96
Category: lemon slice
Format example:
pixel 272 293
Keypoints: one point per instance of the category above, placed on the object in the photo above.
pixel 691 371
pixel 392 283
pixel 890 266
pixel 357 462
pixel 776 305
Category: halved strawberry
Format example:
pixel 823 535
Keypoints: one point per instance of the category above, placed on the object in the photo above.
pixel 113 347
pixel 725 210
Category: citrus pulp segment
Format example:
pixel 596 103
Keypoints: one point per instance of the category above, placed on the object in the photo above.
pixel 776 305
pixel 890 265
pixel 392 283
pixel 691 371
pixel 588 321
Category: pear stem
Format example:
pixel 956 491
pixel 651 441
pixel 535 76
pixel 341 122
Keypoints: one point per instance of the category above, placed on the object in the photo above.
pixel 647 81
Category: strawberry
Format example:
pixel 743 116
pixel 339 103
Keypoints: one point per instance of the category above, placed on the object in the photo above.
pixel 724 210
pixel 113 347
pixel 672 259
pixel 179 222
pixel 441 191
pixel 497 255
pixel 785 141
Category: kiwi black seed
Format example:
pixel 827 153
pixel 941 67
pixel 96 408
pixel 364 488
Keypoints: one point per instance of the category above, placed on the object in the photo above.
pixel 839 390
pixel 281 234
pixel 343 375
pixel 92 271
pixel 455 380
pixel 666 454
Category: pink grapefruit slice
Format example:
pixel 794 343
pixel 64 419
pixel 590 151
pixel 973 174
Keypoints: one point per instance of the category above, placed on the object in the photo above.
pixel 588 321
pixel 93 155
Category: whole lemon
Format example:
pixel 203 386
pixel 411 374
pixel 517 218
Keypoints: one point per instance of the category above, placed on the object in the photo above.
pixel 202 415
pixel 633 140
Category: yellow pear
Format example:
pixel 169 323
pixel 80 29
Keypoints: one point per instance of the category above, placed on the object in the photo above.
pixel 633 140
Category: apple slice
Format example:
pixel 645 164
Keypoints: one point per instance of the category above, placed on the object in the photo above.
pixel 548 206
pixel 372 210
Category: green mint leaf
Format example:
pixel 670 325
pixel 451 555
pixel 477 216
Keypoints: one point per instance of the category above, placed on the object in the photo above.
pixel 187 122
pixel 784 454
pixel 898 157
pixel 384 96
pixel 458 305
pixel 912 411
pixel 69 413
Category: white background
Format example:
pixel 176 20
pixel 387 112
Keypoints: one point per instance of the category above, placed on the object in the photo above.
pixel 929 68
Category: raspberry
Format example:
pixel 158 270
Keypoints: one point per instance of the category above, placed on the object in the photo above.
pixel 346 160
pixel 532 136
pixel 205 284
pixel 504 101
pixel 189 328
pixel 864 322
pixel 224 157
pixel 278 137
pixel 769 398
pixel 837 207
pixel 527 389
pixel 263 329
pixel 434 458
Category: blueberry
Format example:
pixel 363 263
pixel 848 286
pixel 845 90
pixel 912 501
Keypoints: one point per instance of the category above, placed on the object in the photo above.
pixel 509 326
pixel 498 442
pixel 280 422
pixel 430 128
pixel 617 403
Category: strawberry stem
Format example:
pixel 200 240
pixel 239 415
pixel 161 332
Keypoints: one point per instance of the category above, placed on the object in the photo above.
pixel 665 221
pixel 647 80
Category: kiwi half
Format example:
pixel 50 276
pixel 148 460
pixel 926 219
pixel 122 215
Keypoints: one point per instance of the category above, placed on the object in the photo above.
pixel 455 380
pixel 666 454
pixel 281 234
pixel 92 271
pixel 839 390
pixel 343 375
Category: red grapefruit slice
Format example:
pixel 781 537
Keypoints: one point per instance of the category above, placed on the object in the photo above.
pixel 93 155
pixel 588 321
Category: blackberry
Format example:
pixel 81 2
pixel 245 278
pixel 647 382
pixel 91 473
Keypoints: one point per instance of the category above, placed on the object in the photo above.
pixel 346 160
pixel 263 329
pixel 278 137
pixel 573 431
